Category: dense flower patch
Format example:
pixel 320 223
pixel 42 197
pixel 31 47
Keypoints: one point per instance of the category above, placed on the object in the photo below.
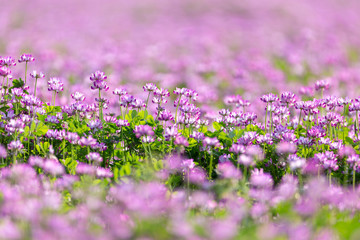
pixel 177 173
pixel 229 120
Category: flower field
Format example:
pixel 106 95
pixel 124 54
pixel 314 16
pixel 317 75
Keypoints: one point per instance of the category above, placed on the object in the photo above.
pixel 154 119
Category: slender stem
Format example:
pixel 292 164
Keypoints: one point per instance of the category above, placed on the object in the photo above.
pixel 53 99
pixel 163 147
pixel 126 111
pixel 7 84
pixel 64 150
pixel 211 163
pixel 14 158
pixel 188 183
pixel 158 111
pixel 146 153
pixel 357 124
pixel 344 124
pixel 177 107
pixel 270 120
pixel 147 100
pixel 288 118
pixel 25 71
pixel 29 144
pixel 72 151
pixel 245 174
pixel 123 143
pixel 150 152
pixel 346 175
pixel 100 108
pixel 146 106
pixel 2 88
pixel 35 140
pixel 354 175
pixel 266 117
pixel 120 107
pixel 330 131
pixel 322 94
pixel 35 86
pixel 299 123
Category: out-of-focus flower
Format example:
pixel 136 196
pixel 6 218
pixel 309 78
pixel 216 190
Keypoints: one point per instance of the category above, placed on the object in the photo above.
pixel 94 157
pixel 56 85
pixel 26 58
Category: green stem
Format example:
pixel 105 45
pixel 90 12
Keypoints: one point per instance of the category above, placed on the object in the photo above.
pixel 266 117
pixel 35 86
pixel 150 152
pixel 17 108
pixel 146 153
pixel 271 121
pixel 53 98
pixel 126 111
pixel 2 88
pixel 64 150
pixel 163 147
pixel 354 176
pixel 100 108
pixel 121 115
pixel 25 71
pixel 299 123
pixel 14 158
pixel 245 174
pixel 357 124
pixel 29 145
pixel 146 106
pixel 72 151
pixel 331 132
pixel 211 163
pixel 188 183
pixel 346 175
pixel 322 94
pixel 177 107
pixel 7 84
pixel 288 118
pixel 344 125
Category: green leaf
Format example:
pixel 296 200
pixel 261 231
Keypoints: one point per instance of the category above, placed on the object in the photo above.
pixel 150 120
pixel 18 83
pixel 225 139
pixel 45 146
pixel 26 131
pixel 349 141
pixel 33 126
pixel 125 170
pixel 217 126
pixel 116 173
pixel 4 109
pixel 133 113
pixel 68 161
pixel 41 129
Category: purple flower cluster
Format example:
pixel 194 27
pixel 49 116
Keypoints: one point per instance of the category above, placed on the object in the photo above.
pixel 98 81
pixel 56 85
